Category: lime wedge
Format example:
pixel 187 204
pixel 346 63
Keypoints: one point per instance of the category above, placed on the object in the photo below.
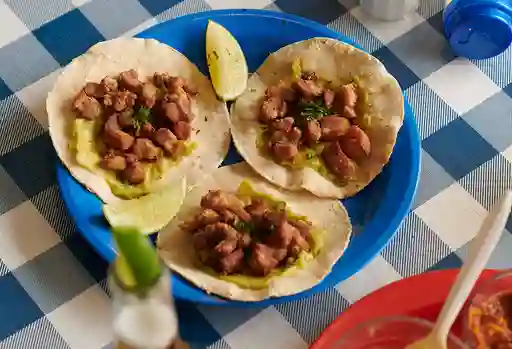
pixel 137 266
pixel 226 62
pixel 149 213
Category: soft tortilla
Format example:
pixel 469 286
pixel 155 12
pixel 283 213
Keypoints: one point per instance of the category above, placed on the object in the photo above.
pixel 334 61
pixel 176 250
pixel 146 56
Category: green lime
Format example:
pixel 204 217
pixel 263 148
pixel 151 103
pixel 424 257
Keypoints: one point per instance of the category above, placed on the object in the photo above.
pixel 137 266
pixel 226 62
pixel 149 213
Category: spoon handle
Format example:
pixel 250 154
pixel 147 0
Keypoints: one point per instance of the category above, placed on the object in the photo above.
pixel 481 249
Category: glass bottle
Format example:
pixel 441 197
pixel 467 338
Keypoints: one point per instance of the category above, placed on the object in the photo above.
pixel 144 318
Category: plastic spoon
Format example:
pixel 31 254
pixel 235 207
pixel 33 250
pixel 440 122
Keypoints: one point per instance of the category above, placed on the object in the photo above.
pixel 481 248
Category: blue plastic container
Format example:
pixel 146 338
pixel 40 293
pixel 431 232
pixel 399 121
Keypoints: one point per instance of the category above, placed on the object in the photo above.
pixel 478 29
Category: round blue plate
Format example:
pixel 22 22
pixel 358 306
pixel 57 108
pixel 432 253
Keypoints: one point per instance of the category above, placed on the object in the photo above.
pixel 376 212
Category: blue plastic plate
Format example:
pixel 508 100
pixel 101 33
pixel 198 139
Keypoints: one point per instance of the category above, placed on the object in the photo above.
pixel 376 212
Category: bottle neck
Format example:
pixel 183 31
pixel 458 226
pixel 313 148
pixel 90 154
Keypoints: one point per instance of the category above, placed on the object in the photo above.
pixel 145 319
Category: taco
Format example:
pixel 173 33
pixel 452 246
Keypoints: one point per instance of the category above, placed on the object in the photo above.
pixel 240 237
pixel 129 115
pixel 319 115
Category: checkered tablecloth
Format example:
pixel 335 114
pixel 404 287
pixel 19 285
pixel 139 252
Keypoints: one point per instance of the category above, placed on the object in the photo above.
pixel 52 284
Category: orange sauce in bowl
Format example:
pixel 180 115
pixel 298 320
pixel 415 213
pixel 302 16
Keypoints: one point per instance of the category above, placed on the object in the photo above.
pixel 490 320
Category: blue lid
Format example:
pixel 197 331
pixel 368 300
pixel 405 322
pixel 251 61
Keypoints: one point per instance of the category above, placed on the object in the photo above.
pixel 478 32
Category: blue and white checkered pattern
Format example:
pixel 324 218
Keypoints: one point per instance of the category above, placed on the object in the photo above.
pixel 52 284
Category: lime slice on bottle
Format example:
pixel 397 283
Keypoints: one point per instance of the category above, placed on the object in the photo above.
pixel 149 213
pixel 137 266
pixel 226 62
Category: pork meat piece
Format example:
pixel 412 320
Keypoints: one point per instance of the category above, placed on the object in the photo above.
pixel 204 218
pixel 355 143
pixel 312 132
pixel 229 217
pixel 113 162
pixel 177 82
pixel 348 95
pixel 284 151
pixel 130 81
pixel 225 247
pixel 257 209
pixel 144 149
pixel 123 99
pixel 110 83
pixel 93 89
pixel 303 227
pixel 182 130
pixel 297 244
pixel 262 259
pixel 171 111
pixel 146 131
pixel 333 127
pixel 114 136
pixel 125 118
pixel 309 89
pixel 221 231
pixel 346 100
pixel 349 113
pixel 232 262
pixel 219 201
pixel 294 135
pixel 271 109
pixel 134 174
pixel 167 140
pixel 283 91
pixel 149 94
pixel 329 97
pixel 159 79
pixel 338 162
pixel 281 232
pixel 86 107
pixel 285 124
pixel 183 102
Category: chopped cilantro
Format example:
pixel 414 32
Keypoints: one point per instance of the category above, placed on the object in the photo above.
pixel 141 117
pixel 244 226
pixel 313 110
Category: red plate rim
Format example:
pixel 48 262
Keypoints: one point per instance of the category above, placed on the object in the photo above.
pixel 421 296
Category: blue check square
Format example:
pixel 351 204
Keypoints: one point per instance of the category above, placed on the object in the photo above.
pixel 458 148
pixel 48 288
pixel 448 262
pixel 323 307
pixel 325 13
pixel 32 165
pixel 17 309
pixel 5 91
pixel 68 36
pixel 189 314
pixel 407 251
pixel 396 67
pixel 50 205
pixel 88 257
pixel 156 7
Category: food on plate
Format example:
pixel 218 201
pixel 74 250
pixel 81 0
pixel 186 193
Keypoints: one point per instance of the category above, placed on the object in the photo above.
pixel 148 213
pixel 489 320
pixel 226 62
pixel 240 237
pixel 319 115
pixel 130 115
